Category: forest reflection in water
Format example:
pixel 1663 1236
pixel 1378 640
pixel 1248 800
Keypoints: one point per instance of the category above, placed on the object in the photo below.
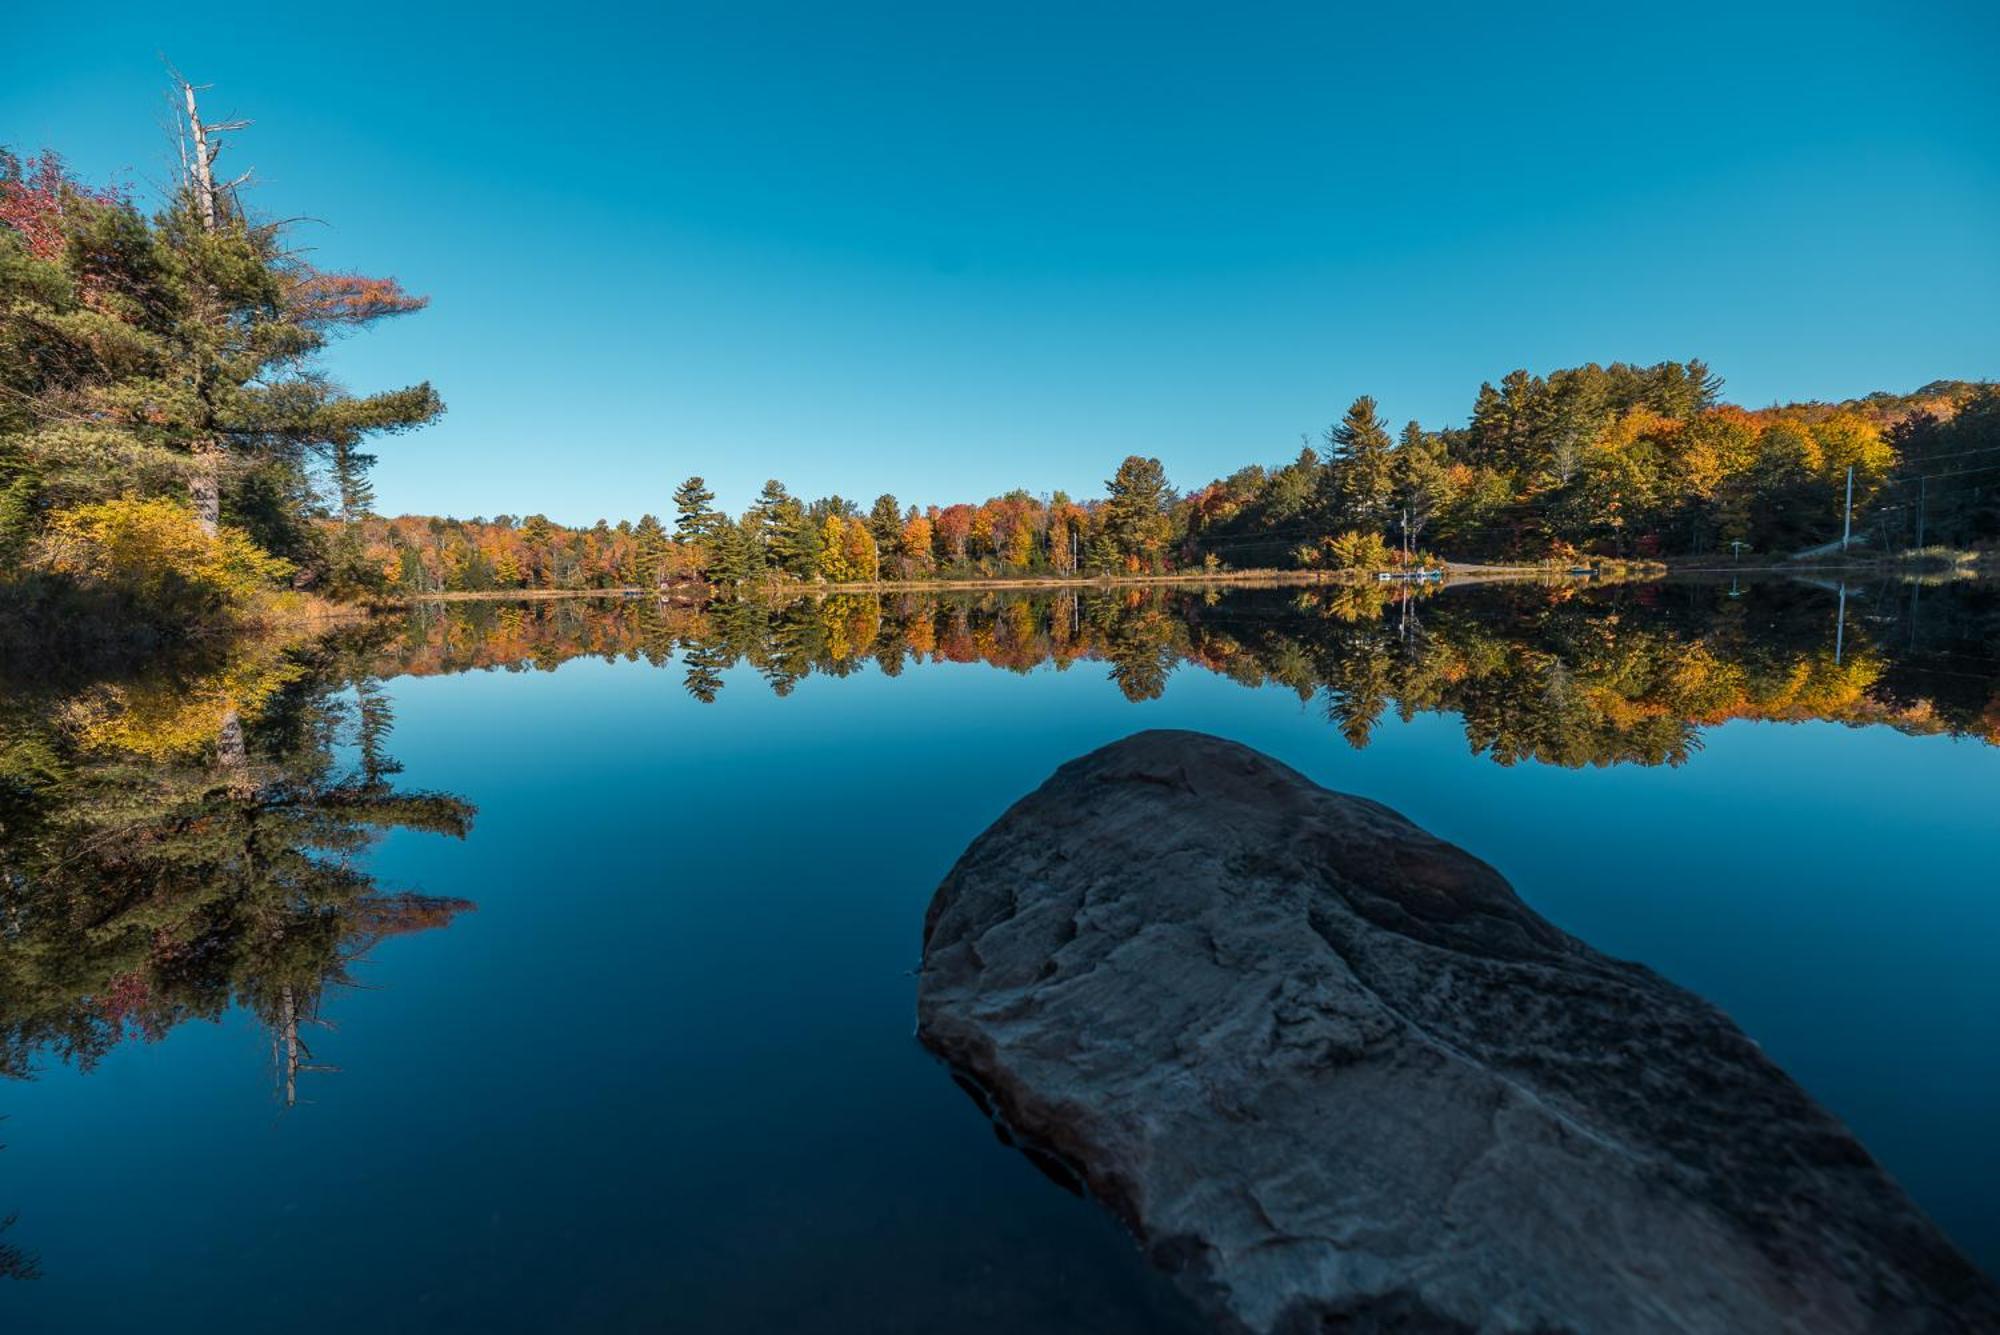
pixel 179 844
pixel 1562 674
pixel 192 840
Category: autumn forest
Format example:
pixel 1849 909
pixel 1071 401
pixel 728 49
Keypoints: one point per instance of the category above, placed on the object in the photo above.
pixel 642 659
pixel 1618 461
pixel 173 455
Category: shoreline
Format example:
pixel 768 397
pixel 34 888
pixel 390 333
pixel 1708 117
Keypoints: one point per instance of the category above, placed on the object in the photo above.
pixel 1205 579
pixel 1455 573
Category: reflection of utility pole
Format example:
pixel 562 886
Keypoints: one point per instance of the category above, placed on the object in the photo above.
pixel 1847 514
pixel 1840 626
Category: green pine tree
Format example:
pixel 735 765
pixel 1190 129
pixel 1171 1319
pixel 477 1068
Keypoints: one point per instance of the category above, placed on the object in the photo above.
pixel 885 522
pixel 1359 474
pixel 729 562
pixel 1135 516
pixel 695 516
pixel 649 538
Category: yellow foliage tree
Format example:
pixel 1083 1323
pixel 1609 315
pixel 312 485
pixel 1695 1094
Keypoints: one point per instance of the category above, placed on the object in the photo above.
pixel 1020 546
pixel 862 560
pixel 1845 439
pixel 163 718
pixel 1356 550
pixel 1786 443
pixel 833 550
pixel 915 545
pixel 158 549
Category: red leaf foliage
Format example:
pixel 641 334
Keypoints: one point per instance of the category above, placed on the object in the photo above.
pixel 352 299
pixel 36 198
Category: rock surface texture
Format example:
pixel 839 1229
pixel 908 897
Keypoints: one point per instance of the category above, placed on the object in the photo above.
pixel 1335 1074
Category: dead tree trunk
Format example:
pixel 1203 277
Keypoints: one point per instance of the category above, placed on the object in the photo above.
pixel 289 1025
pixel 200 144
pixel 201 163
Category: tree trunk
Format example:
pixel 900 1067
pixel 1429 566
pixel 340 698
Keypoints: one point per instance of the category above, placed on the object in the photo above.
pixel 290 1033
pixel 202 167
pixel 205 487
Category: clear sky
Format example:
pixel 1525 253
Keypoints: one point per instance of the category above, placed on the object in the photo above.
pixel 945 251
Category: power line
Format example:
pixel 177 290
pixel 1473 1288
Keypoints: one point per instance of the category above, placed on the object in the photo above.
pixel 1956 454
pixel 1963 472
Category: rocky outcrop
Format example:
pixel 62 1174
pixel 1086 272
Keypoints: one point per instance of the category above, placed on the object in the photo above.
pixel 1335 1074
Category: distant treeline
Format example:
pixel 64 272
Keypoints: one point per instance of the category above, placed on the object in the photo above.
pixel 1619 461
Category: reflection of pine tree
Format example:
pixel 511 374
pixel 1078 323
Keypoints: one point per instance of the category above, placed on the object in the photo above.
pixel 706 660
pixel 656 639
pixel 729 632
pixel 795 636
pixel 374 717
pixel 1360 677
pixel 148 887
pixel 1142 641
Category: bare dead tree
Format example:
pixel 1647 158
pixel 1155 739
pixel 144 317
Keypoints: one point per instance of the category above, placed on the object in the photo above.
pixel 200 142
pixel 288 1046
pixel 200 145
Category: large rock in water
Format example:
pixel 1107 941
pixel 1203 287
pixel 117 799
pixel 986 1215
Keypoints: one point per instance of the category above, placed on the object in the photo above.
pixel 1335 1074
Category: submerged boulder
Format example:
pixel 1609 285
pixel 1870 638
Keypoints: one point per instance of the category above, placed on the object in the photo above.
pixel 1331 1071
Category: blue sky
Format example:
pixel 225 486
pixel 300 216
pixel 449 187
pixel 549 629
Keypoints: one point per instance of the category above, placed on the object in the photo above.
pixel 945 251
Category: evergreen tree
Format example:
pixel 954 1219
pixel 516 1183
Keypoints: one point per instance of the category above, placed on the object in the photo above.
pixel 1420 483
pixel 649 539
pixel 1135 515
pixel 787 537
pixel 763 516
pixel 174 357
pixel 885 522
pixel 355 493
pixel 1360 476
pixel 729 562
pixel 695 516
pixel 753 552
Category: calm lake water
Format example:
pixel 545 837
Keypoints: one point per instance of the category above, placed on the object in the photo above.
pixel 657 1071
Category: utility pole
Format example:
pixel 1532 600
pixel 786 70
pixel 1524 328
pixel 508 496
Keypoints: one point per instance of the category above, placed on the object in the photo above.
pixel 1736 547
pixel 1847 514
pixel 1923 493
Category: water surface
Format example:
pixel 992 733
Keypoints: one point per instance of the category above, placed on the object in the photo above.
pixel 636 1052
